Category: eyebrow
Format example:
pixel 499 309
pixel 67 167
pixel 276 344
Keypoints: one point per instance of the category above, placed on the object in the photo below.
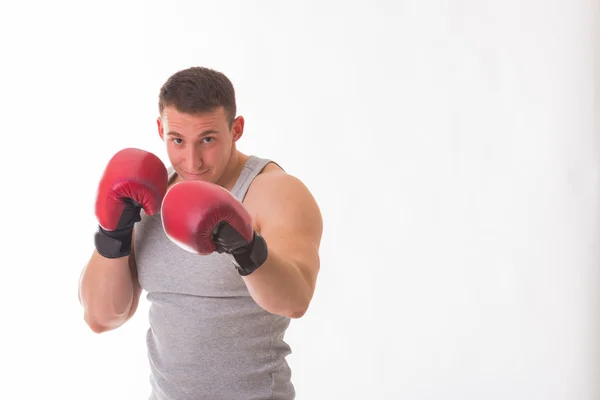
pixel 204 133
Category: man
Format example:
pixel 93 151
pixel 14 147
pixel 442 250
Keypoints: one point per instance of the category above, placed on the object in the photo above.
pixel 225 244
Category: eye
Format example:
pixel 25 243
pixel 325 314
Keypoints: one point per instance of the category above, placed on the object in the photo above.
pixel 177 140
pixel 208 139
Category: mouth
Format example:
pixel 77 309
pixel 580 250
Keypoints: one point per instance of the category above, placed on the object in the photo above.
pixel 195 175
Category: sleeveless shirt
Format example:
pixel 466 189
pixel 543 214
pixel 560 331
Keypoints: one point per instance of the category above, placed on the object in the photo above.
pixel 207 337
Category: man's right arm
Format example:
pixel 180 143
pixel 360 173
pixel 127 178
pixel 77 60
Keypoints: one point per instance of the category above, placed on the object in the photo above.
pixel 109 291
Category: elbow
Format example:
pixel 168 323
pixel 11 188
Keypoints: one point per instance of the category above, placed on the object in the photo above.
pixel 297 314
pixel 95 325
pixel 299 309
pixel 102 316
pixel 294 306
pixel 101 324
pixel 97 328
pixel 293 312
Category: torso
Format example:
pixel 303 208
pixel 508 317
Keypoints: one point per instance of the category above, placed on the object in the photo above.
pixel 208 338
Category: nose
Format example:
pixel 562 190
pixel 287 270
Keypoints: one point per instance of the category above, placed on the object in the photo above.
pixel 193 162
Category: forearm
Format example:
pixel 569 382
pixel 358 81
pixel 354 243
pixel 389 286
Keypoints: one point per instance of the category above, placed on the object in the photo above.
pixel 106 292
pixel 280 287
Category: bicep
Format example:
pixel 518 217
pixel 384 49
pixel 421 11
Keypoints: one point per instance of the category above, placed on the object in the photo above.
pixel 292 226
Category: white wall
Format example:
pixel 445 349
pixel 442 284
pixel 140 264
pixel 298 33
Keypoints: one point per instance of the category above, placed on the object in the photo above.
pixel 453 147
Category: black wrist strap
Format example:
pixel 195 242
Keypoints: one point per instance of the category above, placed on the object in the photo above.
pixel 113 244
pixel 117 243
pixel 250 258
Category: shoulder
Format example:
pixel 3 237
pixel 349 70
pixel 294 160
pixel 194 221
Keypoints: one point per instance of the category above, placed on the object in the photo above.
pixel 275 185
pixel 276 195
pixel 270 179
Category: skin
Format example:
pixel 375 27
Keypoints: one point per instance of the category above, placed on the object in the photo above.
pixel 203 147
pixel 284 212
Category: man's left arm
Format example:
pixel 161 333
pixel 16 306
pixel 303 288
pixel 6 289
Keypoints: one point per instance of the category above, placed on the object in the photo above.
pixel 290 222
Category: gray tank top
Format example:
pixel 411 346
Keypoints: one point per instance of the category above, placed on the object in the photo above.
pixel 207 338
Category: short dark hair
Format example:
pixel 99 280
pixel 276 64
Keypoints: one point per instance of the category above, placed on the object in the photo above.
pixel 197 90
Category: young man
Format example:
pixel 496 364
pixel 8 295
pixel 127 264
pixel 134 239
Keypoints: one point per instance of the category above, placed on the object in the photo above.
pixel 225 244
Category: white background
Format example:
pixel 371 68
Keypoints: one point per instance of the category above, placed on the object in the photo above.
pixel 453 147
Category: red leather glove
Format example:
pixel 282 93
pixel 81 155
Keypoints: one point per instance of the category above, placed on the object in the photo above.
pixel 133 179
pixel 202 217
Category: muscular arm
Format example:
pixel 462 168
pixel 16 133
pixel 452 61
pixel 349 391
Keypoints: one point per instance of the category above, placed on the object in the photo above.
pixel 109 291
pixel 290 221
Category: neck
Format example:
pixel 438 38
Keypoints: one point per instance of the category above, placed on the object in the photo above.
pixel 233 170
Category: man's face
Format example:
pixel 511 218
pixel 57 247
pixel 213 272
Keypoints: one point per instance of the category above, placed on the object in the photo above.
pixel 199 146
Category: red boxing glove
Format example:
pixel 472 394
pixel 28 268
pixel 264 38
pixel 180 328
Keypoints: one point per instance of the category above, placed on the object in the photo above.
pixel 133 179
pixel 202 217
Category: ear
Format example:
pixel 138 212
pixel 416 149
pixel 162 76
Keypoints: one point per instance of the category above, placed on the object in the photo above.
pixel 161 129
pixel 237 128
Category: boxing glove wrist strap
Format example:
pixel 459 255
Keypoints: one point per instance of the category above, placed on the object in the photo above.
pixel 117 243
pixel 113 244
pixel 249 258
